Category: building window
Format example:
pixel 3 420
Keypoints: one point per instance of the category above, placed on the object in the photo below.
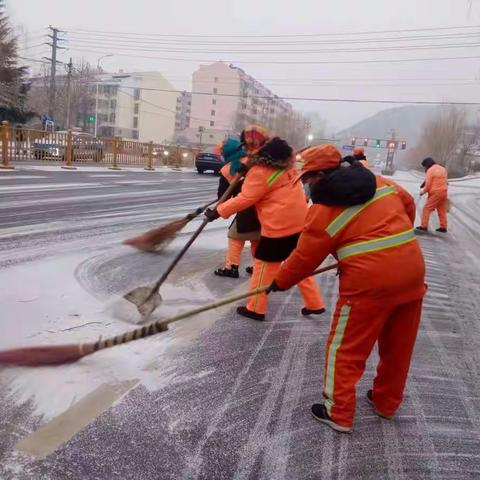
pixel 136 108
pixel 178 108
pixel 212 124
pixel 135 134
pixel 215 79
pixel 112 118
pixel 214 101
pixel 135 122
pixel 189 102
pixel 211 136
pixel 136 94
pixel 177 124
pixel 187 119
pixel 212 113
pixel 215 90
pixel 113 104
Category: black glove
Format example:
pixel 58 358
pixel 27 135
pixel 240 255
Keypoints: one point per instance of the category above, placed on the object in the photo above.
pixel 211 214
pixel 274 288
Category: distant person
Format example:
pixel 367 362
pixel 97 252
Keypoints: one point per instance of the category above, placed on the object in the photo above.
pixel 359 155
pixel 436 185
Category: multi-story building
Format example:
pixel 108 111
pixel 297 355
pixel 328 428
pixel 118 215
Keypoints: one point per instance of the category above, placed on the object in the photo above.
pixel 225 99
pixel 183 109
pixel 137 106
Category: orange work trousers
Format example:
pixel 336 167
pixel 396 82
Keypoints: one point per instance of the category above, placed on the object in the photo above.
pixel 234 252
pixel 436 201
pixel 265 272
pixel 355 329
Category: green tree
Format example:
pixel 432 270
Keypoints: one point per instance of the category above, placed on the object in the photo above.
pixel 13 84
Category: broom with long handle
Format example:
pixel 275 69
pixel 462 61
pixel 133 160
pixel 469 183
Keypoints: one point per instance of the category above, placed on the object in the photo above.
pixel 59 354
pixel 158 238
pixel 147 298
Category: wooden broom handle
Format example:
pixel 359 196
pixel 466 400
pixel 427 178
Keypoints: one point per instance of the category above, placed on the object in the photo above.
pixel 160 325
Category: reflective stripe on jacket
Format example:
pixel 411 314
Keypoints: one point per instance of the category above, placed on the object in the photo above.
pixel 374 242
pixel 281 205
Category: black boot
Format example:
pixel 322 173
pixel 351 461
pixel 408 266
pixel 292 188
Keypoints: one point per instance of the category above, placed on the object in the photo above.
pixel 306 311
pixel 231 272
pixel 245 312
pixel 319 412
pixel 421 229
pixel 249 270
pixel 441 230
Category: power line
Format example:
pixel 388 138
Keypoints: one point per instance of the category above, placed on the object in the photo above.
pixel 126 46
pixel 107 37
pixel 349 33
pixel 285 62
pixel 312 99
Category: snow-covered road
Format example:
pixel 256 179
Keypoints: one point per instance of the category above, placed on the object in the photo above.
pixel 217 396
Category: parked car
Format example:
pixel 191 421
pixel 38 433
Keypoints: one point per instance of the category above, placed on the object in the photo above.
pixel 54 145
pixel 208 160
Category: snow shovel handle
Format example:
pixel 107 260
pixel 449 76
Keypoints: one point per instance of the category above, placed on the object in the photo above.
pixel 161 325
pixel 236 180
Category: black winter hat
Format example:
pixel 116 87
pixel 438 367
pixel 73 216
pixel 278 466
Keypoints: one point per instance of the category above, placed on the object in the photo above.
pixel 276 149
pixel 428 162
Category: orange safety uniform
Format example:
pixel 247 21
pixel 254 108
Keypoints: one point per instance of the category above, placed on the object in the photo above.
pixel 281 208
pixel 380 293
pixel 436 185
pixel 253 137
pixel 235 246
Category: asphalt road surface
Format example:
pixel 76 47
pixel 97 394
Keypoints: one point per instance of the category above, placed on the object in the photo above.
pixel 219 396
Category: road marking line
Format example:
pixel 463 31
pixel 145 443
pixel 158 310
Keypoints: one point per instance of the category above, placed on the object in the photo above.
pixel 61 429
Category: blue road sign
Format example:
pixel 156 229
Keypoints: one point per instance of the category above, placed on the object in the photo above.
pixel 347 147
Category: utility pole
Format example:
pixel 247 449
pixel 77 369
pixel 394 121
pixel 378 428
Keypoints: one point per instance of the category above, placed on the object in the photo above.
pixel 69 91
pixel 53 69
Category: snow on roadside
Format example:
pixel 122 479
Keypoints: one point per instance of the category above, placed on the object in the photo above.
pixel 42 303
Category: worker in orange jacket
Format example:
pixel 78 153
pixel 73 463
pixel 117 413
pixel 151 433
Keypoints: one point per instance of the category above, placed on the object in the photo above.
pixel 359 155
pixel 436 185
pixel 245 225
pixel 281 208
pixel 366 222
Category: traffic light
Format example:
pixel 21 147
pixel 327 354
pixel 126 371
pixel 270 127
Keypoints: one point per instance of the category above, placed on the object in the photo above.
pixel 404 145
pixel 392 145
pixel 353 141
pixel 365 142
pixel 377 145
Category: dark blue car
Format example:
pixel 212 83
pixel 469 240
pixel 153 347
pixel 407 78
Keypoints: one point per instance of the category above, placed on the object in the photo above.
pixel 209 161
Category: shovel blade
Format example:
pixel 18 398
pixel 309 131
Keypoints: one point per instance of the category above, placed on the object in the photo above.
pixel 143 299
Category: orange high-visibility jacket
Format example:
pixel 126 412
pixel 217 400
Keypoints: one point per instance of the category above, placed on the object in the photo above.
pixel 436 179
pixel 280 203
pixel 379 256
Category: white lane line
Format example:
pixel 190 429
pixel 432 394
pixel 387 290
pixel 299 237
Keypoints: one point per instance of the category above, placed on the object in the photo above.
pixel 49 186
pixel 108 175
pixel 61 429
pixel 22 177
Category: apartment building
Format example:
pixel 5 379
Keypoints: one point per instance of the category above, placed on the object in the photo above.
pixel 183 111
pixel 138 106
pixel 225 99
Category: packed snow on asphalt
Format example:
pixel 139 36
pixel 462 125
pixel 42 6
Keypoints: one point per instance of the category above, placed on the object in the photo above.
pixel 217 396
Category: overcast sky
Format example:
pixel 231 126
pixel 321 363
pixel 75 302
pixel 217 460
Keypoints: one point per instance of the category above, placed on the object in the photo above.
pixel 452 80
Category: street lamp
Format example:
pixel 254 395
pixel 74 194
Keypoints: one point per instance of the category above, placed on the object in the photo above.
pixel 309 138
pixel 96 93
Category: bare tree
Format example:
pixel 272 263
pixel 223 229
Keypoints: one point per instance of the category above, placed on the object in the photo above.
pixel 82 98
pixel 443 138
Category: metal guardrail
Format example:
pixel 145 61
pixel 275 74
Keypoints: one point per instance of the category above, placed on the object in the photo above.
pixel 70 148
